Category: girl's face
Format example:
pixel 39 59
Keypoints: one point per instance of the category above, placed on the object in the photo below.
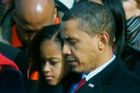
pixel 53 64
pixel 130 7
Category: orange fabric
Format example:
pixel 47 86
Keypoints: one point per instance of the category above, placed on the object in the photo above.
pixel 15 41
pixel 57 20
pixel 34 75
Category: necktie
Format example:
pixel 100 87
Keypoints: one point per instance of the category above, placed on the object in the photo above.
pixel 80 84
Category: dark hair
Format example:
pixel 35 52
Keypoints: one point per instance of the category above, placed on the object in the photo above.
pixel 47 33
pixel 117 9
pixel 92 18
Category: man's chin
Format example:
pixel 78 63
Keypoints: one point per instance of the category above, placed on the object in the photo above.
pixel 73 64
pixel 75 69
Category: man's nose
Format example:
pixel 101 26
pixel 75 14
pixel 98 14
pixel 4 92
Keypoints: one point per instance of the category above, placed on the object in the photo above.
pixel 66 50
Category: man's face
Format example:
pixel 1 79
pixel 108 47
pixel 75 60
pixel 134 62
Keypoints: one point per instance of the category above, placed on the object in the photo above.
pixel 53 64
pixel 26 34
pixel 26 31
pixel 80 49
pixel 31 21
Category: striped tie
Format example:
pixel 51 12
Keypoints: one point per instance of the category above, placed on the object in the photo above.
pixel 80 84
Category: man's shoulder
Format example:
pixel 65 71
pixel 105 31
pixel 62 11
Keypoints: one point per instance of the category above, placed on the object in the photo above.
pixel 115 78
pixel 10 51
pixel 121 80
pixel 119 74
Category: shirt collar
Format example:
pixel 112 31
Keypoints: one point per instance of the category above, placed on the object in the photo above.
pixel 97 70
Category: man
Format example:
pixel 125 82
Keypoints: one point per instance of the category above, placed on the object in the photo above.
pixel 88 30
pixel 31 16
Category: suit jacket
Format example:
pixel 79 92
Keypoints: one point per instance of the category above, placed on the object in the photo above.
pixel 17 56
pixel 113 79
pixel 132 60
pixel 10 77
pixel 11 81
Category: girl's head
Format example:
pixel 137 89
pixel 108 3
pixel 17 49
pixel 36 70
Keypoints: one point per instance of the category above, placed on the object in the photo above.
pixel 47 55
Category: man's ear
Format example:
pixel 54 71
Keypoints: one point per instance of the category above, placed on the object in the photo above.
pixel 103 40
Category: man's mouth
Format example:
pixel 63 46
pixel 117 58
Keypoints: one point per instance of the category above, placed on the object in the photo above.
pixel 73 63
pixel 70 59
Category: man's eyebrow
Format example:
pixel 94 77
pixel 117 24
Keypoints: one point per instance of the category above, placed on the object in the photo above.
pixel 69 38
pixel 54 58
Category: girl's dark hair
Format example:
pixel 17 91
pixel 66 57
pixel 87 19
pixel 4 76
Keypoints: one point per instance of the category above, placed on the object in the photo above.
pixel 47 33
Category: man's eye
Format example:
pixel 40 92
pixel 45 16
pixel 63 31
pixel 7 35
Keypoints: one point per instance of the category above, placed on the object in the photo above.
pixel 73 41
pixel 53 62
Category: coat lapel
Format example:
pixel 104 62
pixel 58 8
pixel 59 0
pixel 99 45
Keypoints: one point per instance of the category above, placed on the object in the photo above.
pixel 101 80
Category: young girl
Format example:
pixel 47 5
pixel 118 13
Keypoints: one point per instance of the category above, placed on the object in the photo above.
pixel 48 61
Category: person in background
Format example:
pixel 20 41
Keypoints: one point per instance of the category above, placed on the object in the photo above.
pixel 93 55
pixel 132 10
pixel 31 16
pixel 132 59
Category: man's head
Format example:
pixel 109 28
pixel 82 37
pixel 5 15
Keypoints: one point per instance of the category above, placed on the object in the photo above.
pixel 88 32
pixel 32 15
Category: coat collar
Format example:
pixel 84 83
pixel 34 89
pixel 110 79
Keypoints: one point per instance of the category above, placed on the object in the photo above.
pixel 102 78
